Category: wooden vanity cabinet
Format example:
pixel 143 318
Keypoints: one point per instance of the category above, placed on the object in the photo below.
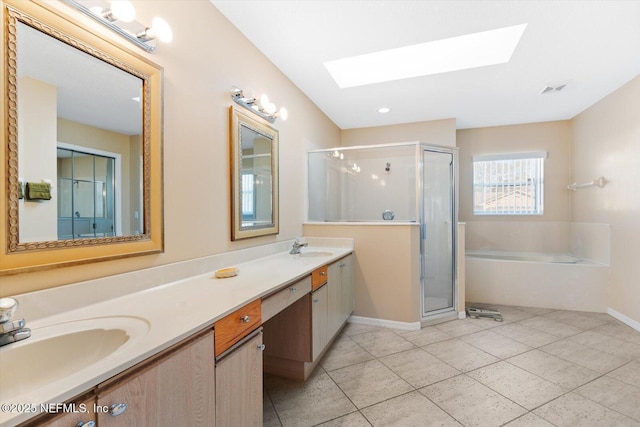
pixel 238 365
pixel 176 389
pixel 320 332
pixel 299 335
pixel 78 413
pixel 340 293
pixel 239 384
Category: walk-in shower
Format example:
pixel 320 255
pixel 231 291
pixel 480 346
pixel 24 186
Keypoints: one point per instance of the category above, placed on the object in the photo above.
pixel 395 183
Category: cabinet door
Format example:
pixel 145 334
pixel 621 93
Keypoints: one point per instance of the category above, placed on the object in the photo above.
pixel 319 320
pixel 176 391
pixel 239 385
pixel 346 276
pixel 83 415
pixel 335 304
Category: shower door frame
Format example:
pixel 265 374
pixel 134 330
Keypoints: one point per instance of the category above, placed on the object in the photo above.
pixel 453 151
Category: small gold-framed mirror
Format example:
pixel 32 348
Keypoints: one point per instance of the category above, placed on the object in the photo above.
pixel 82 127
pixel 254 177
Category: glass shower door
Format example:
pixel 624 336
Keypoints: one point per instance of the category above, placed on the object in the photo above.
pixel 438 222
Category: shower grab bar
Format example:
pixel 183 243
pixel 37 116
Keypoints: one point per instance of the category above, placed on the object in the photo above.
pixel 598 182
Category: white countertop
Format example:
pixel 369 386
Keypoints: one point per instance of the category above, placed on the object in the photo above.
pixel 163 316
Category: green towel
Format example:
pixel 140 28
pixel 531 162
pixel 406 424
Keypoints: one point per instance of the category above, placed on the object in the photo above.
pixel 38 191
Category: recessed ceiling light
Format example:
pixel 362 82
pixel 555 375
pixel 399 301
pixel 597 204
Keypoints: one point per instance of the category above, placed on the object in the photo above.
pixel 383 110
pixel 440 56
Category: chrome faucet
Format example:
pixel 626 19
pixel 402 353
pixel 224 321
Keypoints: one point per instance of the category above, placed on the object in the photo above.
pixel 296 247
pixel 11 330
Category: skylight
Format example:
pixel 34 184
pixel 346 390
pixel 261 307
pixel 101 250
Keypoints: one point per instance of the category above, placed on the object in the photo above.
pixel 440 56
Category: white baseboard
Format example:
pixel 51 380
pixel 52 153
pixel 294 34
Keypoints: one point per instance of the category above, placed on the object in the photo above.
pixel 371 321
pixel 624 319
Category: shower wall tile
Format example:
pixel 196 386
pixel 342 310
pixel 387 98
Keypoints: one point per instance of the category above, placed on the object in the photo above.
pixel 518 236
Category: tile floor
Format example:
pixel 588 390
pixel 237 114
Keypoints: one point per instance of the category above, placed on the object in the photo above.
pixel 537 368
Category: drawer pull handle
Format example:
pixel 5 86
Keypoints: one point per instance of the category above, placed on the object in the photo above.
pixel 323 273
pixel 86 424
pixel 316 300
pixel 292 289
pixel 245 319
pixel 261 347
pixel 117 409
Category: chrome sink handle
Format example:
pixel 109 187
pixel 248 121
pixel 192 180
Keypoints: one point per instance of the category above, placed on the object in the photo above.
pixel 8 307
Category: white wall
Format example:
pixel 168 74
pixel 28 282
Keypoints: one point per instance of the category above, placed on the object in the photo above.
pixel 37 160
pixel 606 142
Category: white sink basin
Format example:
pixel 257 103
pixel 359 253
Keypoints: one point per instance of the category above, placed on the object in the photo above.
pixel 54 352
pixel 313 254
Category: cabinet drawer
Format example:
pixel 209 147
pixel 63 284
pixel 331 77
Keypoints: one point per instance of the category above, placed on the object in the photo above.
pixel 233 327
pixel 319 277
pixel 275 303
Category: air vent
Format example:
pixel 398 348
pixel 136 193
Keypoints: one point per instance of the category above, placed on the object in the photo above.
pixel 553 88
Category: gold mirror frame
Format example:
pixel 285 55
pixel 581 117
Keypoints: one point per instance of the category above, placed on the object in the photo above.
pixel 239 120
pixel 16 257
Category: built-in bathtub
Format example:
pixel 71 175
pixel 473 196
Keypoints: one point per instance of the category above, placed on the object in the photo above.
pixel 557 281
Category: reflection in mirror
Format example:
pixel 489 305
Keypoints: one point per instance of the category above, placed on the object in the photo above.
pixel 83 126
pixel 254 151
pixel 89 118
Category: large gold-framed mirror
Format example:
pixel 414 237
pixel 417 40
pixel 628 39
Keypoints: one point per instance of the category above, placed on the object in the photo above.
pixel 254 177
pixel 82 127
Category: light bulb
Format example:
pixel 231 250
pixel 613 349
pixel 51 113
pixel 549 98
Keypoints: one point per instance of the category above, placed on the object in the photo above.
pixel 96 10
pixel 264 99
pixel 123 10
pixel 284 114
pixel 161 29
pixel 269 107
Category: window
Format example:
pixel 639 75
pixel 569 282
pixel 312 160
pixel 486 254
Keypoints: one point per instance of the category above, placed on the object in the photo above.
pixel 508 184
pixel 248 196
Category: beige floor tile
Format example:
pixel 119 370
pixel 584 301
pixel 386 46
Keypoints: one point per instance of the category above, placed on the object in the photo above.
pixel 551 326
pixel 613 394
pixel 305 404
pixel 344 352
pixel 619 330
pixel 472 403
pixel 608 344
pixel 424 336
pixel 354 419
pixel 419 368
pixel 409 410
pixel 529 420
pixel 381 343
pixel 580 319
pixel 351 329
pixel 572 410
pixel 524 388
pixel 526 335
pixel 584 356
pixel 369 383
pixel 269 416
pixel 462 356
pixel 495 344
pixel 629 373
pixel 552 368
pixel 457 328
pixel 536 311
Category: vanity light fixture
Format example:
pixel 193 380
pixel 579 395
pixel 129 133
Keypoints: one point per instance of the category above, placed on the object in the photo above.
pixel 119 16
pixel 263 107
